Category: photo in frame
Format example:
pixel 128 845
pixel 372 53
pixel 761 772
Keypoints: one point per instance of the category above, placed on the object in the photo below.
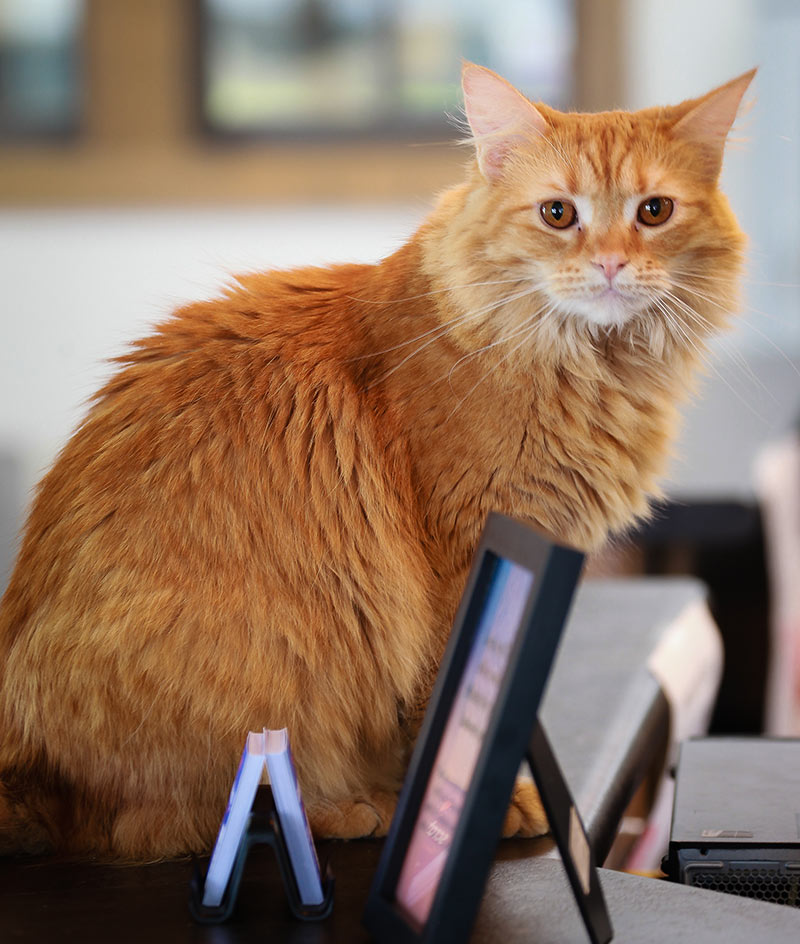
pixel 480 724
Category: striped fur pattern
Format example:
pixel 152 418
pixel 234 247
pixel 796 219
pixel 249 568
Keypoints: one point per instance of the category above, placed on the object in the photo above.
pixel 267 515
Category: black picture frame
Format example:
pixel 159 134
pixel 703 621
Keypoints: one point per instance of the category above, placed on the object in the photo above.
pixel 512 731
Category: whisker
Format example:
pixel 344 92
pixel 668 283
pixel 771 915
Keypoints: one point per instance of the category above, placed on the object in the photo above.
pixel 750 326
pixel 440 330
pixel 686 307
pixel 749 280
pixel 503 340
pixel 698 294
pixel 775 346
pixel 530 332
pixel 733 353
pixel 443 327
pixel 453 321
pixel 749 308
pixel 435 291
pixel 683 331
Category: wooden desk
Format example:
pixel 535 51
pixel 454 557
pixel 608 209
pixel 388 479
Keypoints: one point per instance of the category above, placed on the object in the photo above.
pixel 607 717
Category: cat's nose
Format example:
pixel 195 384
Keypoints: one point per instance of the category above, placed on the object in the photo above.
pixel 610 263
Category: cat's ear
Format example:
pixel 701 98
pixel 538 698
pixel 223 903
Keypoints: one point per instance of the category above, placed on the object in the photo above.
pixel 706 121
pixel 500 117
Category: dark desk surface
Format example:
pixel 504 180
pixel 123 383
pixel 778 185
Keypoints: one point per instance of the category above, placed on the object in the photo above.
pixel 607 718
pixel 527 899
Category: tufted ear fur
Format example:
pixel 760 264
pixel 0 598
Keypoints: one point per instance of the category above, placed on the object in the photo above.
pixel 500 117
pixel 706 121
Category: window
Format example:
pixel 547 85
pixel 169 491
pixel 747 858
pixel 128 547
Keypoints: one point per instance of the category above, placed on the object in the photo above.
pixel 39 67
pixel 370 67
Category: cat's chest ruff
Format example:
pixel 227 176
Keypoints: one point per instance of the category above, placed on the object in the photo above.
pixel 585 463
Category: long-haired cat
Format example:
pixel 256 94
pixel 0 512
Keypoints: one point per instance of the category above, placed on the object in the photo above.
pixel 267 515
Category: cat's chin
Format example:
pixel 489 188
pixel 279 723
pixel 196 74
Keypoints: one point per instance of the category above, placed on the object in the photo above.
pixel 609 310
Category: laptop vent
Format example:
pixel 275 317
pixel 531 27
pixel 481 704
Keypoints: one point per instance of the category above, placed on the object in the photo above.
pixel 767 883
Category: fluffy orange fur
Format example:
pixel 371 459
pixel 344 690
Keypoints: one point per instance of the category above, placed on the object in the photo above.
pixel 267 515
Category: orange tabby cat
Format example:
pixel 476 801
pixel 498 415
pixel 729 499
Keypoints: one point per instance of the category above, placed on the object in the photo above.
pixel 267 516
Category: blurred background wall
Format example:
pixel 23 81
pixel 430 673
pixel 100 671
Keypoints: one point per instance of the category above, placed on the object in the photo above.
pixel 149 148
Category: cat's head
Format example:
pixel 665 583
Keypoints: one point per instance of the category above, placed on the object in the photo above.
pixel 616 217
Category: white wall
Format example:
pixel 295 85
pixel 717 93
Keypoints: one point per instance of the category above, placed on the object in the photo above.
pixel 678 49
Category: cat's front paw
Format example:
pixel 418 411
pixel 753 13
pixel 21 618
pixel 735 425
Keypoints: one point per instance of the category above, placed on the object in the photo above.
pixel 353 819
pixel 525 816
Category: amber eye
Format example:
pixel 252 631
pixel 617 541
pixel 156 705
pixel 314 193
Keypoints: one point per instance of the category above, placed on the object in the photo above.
pixel 655 210
pixel 558 213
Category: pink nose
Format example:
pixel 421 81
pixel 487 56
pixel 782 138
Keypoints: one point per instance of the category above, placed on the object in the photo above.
pixel 610 263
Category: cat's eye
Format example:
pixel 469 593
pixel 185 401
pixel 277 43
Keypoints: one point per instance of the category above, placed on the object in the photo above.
pixel 655 210
pixel 558 213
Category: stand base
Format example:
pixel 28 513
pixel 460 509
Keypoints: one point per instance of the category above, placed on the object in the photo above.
pixel 263 827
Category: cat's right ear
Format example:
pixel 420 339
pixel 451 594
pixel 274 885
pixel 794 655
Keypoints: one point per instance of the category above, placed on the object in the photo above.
pixel 500 117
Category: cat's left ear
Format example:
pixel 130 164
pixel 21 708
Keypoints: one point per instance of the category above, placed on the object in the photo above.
pixel 708 120
pixel 501 118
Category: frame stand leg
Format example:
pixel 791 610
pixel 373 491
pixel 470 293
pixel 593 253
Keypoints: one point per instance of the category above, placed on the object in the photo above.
pixel 570 835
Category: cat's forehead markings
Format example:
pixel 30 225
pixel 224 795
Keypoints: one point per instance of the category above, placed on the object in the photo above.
pixel 657 180
pixel 556 185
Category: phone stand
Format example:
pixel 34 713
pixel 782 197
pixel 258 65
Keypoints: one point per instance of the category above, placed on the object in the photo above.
pixel 570 835
pixel 263 827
